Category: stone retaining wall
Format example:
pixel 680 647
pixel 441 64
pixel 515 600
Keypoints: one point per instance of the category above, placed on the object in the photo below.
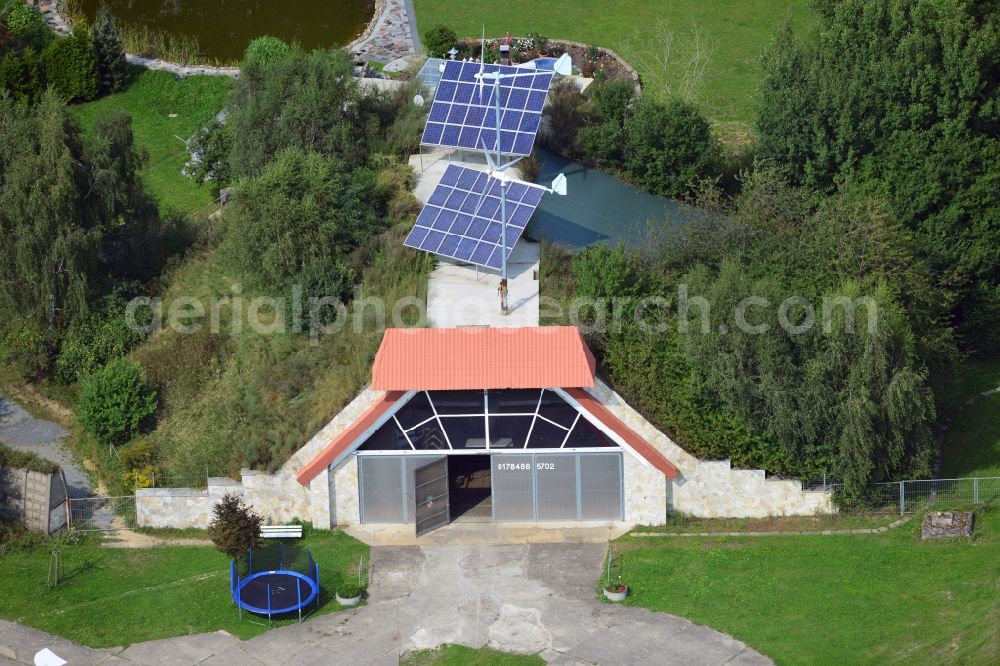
pixel 38 500
pixel 705 488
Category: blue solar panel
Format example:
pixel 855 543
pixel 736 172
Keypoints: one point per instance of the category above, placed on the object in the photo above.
pixel 462 218
pixel 463 114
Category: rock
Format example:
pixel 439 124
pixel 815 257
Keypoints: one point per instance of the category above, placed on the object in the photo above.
pixel 945 524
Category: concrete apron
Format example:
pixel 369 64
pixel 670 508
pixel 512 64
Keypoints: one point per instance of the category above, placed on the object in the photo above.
pixel 531 598
pixel 489 533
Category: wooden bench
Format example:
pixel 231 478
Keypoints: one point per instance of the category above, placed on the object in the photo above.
pixel 281 531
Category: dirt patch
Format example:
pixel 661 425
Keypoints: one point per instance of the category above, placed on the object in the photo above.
pixel 29 395
pixel 131 539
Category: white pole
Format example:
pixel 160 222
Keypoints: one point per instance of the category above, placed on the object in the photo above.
pixel 503 205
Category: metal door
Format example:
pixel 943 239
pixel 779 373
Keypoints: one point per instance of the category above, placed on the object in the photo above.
pixel 430 485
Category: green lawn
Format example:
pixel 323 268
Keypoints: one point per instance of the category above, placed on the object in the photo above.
pixel 840 521
pixel 117 596
pixel 737 30
pixel 152 98
pixel 459 655
pixel 887 598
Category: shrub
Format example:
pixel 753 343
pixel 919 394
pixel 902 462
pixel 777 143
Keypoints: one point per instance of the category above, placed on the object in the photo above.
pixel 669 146
pixel 27 23
pixel 349 590
pixel 91 344
pixel 115 400
pixel 541 42
pixel 565 114
pixel 109 52
pixel 265 50
pixel 21 75
pixel 143 453
pixel 71 66
pixel 606 272
pixel 134 479
pixel 439 40
pixel 235 527
pixel 529 168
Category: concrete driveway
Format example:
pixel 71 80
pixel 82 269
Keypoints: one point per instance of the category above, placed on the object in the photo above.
pixel 518 597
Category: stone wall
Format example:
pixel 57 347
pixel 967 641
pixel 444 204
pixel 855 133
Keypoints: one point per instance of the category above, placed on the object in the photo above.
pixel 703 488
pixel 38 500
pixel 709 489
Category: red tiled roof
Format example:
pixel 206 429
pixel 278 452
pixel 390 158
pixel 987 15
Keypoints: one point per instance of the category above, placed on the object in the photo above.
pixel 345 439
pixel 637 443
pixel 437 359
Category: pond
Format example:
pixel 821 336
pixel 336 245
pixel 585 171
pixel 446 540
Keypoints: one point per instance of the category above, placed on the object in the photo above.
pixel 223 28
pixel 598 208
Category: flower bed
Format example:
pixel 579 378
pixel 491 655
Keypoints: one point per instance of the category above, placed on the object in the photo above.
pixel 589 61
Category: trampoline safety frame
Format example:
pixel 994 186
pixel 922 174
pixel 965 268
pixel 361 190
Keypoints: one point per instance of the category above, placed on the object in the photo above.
pixel 237 583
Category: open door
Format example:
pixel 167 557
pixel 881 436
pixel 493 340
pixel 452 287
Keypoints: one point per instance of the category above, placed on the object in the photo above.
pixel 430 485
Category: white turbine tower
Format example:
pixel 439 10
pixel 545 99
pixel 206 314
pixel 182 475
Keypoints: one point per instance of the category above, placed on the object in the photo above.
pixel 497 168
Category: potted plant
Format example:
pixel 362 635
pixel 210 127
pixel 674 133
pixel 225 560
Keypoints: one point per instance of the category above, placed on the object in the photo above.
pixel 349 593
pixel 616 591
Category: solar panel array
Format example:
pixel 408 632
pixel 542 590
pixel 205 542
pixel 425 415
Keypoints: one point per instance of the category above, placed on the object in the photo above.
pixel 462 217
pixel 463 114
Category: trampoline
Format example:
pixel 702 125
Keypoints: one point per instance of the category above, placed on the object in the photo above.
pixel 273 580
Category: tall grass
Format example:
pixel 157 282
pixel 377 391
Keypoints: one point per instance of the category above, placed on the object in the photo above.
pixel 144 41
pixel 141 40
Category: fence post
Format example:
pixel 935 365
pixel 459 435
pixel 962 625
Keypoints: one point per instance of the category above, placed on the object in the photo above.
pixel 975 490
pixel 902 498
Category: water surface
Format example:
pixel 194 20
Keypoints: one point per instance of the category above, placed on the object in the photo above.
pixel 224 27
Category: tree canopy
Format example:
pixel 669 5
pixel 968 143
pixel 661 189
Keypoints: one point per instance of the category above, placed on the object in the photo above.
pixel 901 97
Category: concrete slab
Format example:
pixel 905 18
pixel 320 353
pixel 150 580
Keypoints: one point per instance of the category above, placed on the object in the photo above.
pixel 182 650
pixel 489 533
pixel 463 295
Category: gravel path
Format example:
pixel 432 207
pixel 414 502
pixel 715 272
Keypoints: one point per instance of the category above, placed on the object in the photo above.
pixel 19 430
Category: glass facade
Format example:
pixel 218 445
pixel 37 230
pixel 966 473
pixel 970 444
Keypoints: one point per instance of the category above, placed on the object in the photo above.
pixel 485 421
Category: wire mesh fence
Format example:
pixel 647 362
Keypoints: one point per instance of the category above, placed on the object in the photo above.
pixel 906 497
pixel 102 514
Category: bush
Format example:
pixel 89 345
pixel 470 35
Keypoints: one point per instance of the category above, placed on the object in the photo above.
pixel 21 75
pixel 71 66
pixel 565 114
pixel 439 40
pixel 27 23
pixel 235 527
pixel 606 272
pixel 88 346
pixel 115 400
pixel 265 50
pixel 135 479
pixel 143 453
pixel 669 146
pixel 349 590
pixel 109 52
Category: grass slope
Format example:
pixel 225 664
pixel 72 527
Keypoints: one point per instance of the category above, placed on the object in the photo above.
pixel 118 596
pixel 737 30
pixel 151 99
pixel 887 598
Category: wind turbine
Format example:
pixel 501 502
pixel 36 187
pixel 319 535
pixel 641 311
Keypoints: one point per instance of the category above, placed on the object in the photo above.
pixel 497 168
